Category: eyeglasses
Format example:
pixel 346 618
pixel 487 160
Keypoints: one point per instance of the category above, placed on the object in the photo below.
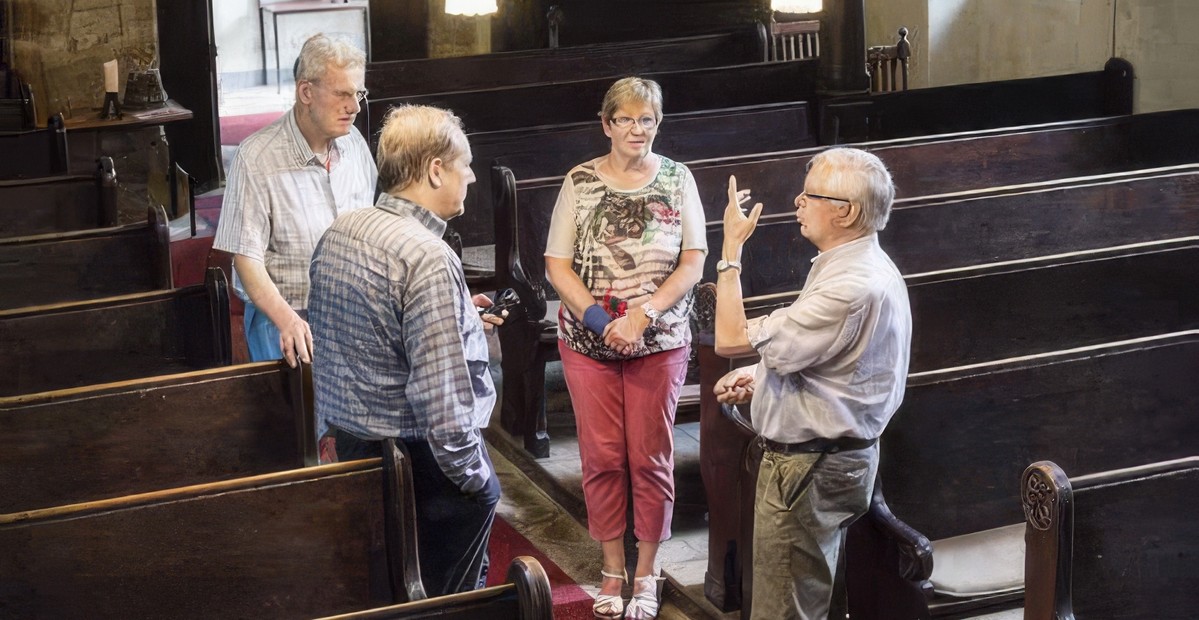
pixel 806 194
pixel 345 95
pixel 647 122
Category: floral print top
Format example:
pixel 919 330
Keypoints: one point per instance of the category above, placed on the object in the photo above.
pixel 623 245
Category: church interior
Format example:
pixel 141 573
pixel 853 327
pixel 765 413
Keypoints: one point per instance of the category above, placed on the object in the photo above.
pixel 1044 463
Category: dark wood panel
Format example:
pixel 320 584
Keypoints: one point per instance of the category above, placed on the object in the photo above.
pixel 114 339
pixel 100 442
pixel 35 153
pixel 433 75
pixel 83 265
pixel 59 204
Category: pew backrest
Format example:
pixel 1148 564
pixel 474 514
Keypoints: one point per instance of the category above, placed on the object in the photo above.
pixel 524 596
pixel 117 338
pixel 1118 544
pixel 303 543
pixel 35 153
pixel 87 264
pixel 966 107
pixel 97 442
pixel 533 105
pixel 59 204
pixel 397 78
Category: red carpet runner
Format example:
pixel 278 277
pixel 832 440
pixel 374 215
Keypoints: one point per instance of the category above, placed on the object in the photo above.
pixel 570 601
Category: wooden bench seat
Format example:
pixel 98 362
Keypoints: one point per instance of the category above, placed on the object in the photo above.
pixel 116 338
pixel 1117 544
pixel 97 442
pixel 86 264
pixel 533 105
pixel 59 204
pixel 396 78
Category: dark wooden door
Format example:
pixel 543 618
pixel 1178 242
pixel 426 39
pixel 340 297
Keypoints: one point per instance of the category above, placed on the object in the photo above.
pixel 187 49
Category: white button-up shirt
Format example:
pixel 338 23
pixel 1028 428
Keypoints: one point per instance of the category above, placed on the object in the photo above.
pixel 835 362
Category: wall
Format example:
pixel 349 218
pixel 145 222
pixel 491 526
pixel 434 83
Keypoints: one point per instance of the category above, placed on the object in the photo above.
pixel 60 45
pixel 962 41
pixel 239 52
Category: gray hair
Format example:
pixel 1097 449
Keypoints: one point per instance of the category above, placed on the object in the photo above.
pixel 321 52
pixel 861 177
pixel 411 138
pixel 632 90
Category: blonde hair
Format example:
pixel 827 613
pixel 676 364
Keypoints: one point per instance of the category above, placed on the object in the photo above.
pixel 411 138
pixel 861 177
pixel 321 52
pixel 632 90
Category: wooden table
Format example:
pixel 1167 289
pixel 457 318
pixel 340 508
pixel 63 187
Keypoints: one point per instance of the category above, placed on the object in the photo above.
pixel 305 6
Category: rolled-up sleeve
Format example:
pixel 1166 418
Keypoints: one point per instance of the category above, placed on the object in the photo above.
pixel 245 225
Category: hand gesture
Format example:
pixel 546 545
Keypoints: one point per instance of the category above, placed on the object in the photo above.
pixel 295 340
pixel 735 388
pixel 737 226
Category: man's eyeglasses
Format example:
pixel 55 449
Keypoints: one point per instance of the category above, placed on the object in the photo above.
pixel 345 95
pixel 806 194
pixel 647 122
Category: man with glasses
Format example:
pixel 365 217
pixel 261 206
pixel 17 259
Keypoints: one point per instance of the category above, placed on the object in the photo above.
pixel 286 184
pixel 832 373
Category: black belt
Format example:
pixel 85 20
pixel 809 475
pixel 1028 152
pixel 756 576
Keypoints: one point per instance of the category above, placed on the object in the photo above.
pixel 820 444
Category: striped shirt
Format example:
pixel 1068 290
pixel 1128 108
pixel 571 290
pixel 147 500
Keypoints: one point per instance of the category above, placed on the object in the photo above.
pixel 280 198
pixel 400 347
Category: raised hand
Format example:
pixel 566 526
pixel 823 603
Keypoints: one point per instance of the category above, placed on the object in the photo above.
pixel 737 225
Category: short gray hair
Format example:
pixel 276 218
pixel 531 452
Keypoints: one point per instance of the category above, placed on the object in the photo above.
pixel 632 90
pixel 321 52
pixel 411 138
pixel 861 177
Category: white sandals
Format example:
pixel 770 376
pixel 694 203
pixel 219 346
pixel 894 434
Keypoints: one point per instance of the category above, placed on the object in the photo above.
pixel 644 604
pixel 610 606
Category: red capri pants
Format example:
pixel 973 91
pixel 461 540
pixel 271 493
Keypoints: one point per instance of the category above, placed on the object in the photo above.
pixel 624 411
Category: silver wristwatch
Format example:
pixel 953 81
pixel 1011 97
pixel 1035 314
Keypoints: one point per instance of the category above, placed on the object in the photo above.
pixel 651 313
pixel 725 265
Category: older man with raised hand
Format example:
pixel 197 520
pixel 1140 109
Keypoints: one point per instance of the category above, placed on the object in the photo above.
pixel 286 184
pixel 832 373
pixel 402 347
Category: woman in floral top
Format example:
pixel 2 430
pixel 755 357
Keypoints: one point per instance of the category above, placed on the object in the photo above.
pixel 626 247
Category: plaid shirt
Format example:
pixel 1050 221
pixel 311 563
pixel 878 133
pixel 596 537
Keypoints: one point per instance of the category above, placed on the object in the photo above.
pixel 280 198
pixel 400 347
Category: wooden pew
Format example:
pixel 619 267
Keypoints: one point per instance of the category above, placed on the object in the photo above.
pixel 963 317
pixel 941 164
pixel 117 338
pixel 967 107
pixel 303 543
pixel 525 596
pixel 147 434
pixel 979 228
pixel 86 264
pixel 397 78
pixel 532 105
pixel 959 432
pixel 59 204
pixel 1117 544
pixel 35 153
pixel 552 151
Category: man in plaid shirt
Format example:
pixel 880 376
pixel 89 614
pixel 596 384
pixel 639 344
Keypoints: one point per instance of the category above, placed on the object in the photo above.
pixel 401 346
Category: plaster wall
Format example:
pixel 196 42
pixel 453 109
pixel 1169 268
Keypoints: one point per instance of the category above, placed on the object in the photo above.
pixel 963 41
pixel 239 52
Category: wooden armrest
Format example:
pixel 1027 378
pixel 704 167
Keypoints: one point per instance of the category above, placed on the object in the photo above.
pixel 916 552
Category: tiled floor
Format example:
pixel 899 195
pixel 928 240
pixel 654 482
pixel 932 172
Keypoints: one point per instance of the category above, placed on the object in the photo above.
pixel 255 100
